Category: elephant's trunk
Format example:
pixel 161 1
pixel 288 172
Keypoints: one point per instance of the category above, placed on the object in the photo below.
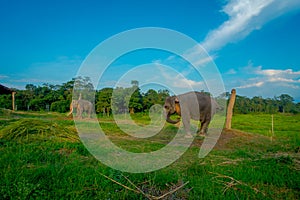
pixel 168 119
pixel 71 108
pixel 71 111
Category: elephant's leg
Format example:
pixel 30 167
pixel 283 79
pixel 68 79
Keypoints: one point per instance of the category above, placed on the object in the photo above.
pixel 187 128
pixel 204 128
pixel 89 113
pixel 79 112
pixel 199 127
pixel 82 112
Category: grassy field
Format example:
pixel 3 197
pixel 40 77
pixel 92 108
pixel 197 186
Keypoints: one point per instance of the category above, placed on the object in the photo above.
pixel 42 158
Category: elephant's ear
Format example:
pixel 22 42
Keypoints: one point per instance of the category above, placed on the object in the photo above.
pixel 176 100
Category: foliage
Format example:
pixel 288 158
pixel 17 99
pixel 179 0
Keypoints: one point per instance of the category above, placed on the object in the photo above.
pixel 283 104
pixel 61 106
pixel 5 101
pixel 152 97
pixel 46 97
pixel 103 101
pixel 83 87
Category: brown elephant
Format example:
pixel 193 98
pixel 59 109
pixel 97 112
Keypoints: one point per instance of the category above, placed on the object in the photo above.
pixel 191 105
pixel 81 106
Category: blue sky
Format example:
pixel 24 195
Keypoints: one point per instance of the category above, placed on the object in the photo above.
pixel 255 44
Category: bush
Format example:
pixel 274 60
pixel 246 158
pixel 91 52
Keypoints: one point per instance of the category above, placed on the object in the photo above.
pixel 61 106
pixel 5 101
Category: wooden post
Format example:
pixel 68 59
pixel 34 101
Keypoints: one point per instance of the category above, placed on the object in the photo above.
pixel 230 109
pixel 272 128
pixel 13 100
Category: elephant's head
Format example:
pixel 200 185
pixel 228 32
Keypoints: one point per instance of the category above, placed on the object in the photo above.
pixel 74 103
pixel 171 106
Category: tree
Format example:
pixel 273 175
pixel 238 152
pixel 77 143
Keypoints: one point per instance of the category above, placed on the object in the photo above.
pixel 242 105
pixel 83 86
pixel 61 106
pixel 5 101
pixel 150 98
pixel 135 83
pixel 119 100
pixel 258 104
pixel 285 103
pixel 162 95
pixel 297 108
pixel 103 100
pixel 271 106
pixel 124 100
pixel 135 101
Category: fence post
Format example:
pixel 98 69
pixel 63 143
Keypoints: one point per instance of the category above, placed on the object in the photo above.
pixel 13 100
pixel 272 127
pixel 230 109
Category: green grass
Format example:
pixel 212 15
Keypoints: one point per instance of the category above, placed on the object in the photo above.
pixel 284 124
pixel 246 164
pixel 286 134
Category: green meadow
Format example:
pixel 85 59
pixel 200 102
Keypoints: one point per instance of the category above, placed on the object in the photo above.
pixel 43 158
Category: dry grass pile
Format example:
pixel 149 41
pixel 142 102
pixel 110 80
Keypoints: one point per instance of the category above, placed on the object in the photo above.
pixel 36 129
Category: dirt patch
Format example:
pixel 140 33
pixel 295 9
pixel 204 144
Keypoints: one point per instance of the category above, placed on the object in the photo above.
pixel 228 135
pixel 225 137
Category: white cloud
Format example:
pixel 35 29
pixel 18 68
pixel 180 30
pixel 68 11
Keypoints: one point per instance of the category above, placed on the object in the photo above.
pixel 257 84
pixel 246 16
pixel 178 81
pixel 182 82
pixel 3 77
pixel 280 79
pixel 231 71
pixel 277 72
pixel 278 75
pixel 269 89
pixel 203 61
pixel 267 82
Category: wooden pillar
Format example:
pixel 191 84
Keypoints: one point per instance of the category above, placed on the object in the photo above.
pixel 13 100
pixel 230 109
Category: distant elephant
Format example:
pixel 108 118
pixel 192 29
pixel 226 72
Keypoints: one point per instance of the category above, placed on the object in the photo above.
pixel 191 105
pixel 81 106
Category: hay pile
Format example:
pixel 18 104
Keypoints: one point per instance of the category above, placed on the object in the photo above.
pixel 36 129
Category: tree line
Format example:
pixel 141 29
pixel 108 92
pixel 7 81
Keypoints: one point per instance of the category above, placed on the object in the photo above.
pixel 279 104
pixel 57 98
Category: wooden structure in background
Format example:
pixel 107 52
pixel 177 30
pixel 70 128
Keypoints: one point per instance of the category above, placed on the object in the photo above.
pixel 6 90
pixel 230 109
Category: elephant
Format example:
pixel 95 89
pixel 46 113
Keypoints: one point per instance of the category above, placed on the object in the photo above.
pixel 81 106
pixel 191 105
